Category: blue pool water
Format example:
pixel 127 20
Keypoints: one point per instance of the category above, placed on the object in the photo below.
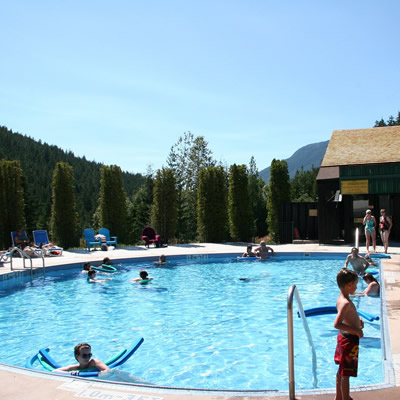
pixel 203 326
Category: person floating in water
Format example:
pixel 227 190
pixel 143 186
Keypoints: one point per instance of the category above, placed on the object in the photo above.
pixel 144 277
pixel 83 354
pixel 359 264
pixel 249 251
pixel 263 251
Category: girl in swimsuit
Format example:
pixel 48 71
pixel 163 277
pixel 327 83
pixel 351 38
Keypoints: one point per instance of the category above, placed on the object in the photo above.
pixel 370 223
pixel 385 226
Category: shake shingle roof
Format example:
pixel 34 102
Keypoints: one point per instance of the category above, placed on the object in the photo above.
pixel 363 146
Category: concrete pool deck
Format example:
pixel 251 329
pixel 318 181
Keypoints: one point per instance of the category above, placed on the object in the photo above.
pixel 18 383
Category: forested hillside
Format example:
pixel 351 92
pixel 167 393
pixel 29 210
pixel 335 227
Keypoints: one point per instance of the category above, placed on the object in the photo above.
pixel 38 161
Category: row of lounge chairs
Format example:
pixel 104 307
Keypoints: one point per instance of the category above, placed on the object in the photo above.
pixel 148 236
pixel 41 245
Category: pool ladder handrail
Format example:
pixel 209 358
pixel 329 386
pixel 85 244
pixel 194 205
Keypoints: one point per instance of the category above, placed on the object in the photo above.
pixel 357 239
pixel 293 292
pixel 24 256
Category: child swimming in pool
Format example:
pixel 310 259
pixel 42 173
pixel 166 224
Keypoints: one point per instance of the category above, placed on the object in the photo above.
pixel 92 277
pixel 86 268
pixel 249 251
pixel 83 354
pixel 144 277
pixel 350 327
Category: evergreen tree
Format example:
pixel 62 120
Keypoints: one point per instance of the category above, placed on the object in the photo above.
pixel 279 192
pixel 11 201
pixel 186 158
pixel 164 211
pixel 212 216
pixel 241 224
pixel 64 223
pixel 391 121
pixel 113 205
pixel 258 199
pixel 303 186
pixel 140 210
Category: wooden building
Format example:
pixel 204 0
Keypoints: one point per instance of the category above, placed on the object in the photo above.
pixel 360 170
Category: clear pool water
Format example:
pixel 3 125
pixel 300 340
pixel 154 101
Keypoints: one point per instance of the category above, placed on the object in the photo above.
pixel 203 326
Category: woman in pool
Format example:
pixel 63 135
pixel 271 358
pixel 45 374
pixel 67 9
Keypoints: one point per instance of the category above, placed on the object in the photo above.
pixel 83 354
pixel 370 224
pixel 373 288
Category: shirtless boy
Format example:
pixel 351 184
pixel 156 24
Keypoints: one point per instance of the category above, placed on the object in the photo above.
pixel 83 354
pixel 359 264
pixel 263 251
pixel 350 327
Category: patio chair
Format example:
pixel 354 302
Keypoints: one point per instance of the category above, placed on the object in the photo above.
pixel 41 239
pixel 27 248
pixel 149 236
pixel 111 240
pixel 88 235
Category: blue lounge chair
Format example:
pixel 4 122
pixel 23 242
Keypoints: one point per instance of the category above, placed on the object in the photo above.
pixel 111 240
pixel 35 251
pixel 88 234
pixel 40 238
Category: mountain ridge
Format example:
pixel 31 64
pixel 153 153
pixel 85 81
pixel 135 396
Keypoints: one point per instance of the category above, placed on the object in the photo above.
pixel 307 157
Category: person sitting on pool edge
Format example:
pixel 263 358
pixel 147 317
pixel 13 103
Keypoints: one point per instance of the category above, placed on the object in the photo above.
pixel 359 264
pixel 144 277
pixel 249 251
pixel 263 251
pixel 83 354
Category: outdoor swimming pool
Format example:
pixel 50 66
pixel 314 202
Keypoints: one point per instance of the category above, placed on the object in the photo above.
pixel 203 326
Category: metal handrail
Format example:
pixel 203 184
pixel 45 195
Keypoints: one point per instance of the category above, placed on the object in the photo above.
pixel 357 239
pixel 292 293
pixel 25 256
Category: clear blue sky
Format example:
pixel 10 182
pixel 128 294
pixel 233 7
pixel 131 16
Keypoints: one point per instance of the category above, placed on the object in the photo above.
pixel 121 81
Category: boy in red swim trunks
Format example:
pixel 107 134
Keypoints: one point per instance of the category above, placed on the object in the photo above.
pixel 350 327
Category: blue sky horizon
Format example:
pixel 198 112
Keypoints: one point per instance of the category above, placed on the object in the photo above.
pixel 120 82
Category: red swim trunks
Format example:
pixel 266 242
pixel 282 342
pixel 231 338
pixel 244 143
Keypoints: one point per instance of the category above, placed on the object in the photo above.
pixel 346 354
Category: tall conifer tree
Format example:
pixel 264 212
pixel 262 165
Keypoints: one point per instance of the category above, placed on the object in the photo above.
pixel 113 202
pixel 241 224
pixel 212 216
pixel 11 201
pixel 164 212
pixel 279 192
pixel 64 223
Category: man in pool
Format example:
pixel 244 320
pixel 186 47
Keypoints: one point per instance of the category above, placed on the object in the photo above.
pixel 83 354
pixel 263 251
pixel 359 264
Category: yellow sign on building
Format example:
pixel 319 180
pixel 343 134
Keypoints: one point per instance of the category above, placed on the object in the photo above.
pixel 354 187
